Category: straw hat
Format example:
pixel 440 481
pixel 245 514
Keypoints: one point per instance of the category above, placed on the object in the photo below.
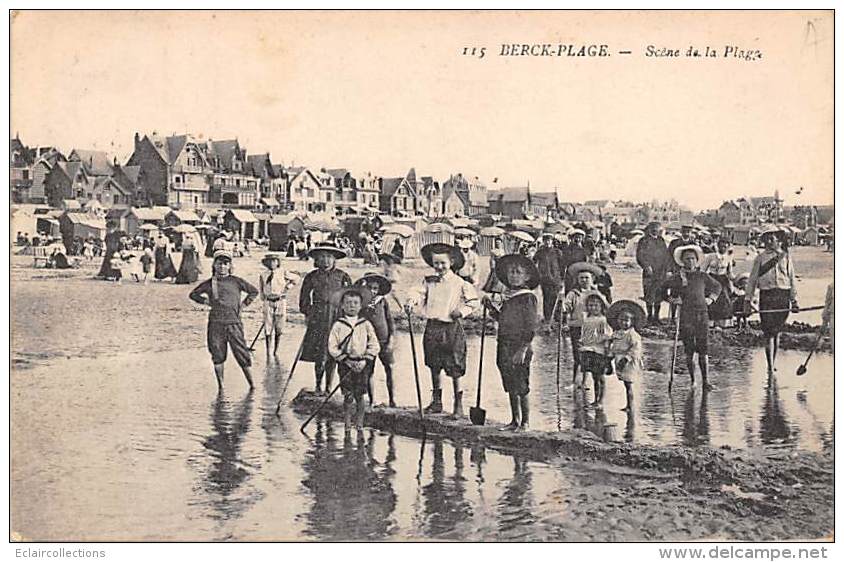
pixel 333 250
pixel 465 243
pixel 575 231
pixel 576 268
pixel 504 263
pixel 271 257
pixel 457 259
pixel 614 312
pixel 678 253
pixel 336 297
pixel 384 284
pixel 223 254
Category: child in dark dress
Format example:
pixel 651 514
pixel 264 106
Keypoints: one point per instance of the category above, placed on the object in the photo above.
pixel 517 323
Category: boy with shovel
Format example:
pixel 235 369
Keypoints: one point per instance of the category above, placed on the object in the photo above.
pixel 445 299
pixel 517 323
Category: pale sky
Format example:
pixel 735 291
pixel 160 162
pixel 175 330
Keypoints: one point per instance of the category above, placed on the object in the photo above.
pixel 385 91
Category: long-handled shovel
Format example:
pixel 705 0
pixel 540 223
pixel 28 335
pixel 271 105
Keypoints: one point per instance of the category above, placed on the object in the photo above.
pixel 801 370
pixel 321 406
pixel 476 413
pixel 258 335
pixel 674 349
pixel 559 341
pixel 415 370
pixel 290 376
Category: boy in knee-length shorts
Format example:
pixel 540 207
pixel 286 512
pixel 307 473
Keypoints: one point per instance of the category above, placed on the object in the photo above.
pixel 223 293
pixel 445 299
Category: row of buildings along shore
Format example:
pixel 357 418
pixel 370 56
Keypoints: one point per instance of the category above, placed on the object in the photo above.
pixel 199 176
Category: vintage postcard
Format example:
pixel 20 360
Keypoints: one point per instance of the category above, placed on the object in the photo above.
pixel 471 276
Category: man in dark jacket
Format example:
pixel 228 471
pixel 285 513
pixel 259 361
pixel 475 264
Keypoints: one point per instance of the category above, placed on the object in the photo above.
pixel 551 264
pixel 575 253
pixel 653 257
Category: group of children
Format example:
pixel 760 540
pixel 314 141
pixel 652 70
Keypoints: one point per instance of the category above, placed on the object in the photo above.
pixel 350 325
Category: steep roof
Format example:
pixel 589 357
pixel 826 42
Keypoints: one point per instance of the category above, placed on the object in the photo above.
pixel 131 172
pixel 96 162
pixel 175 145
pixel 337 173
pixel 100 181
pixel 70 169
pixel 260 165
pixel 390 185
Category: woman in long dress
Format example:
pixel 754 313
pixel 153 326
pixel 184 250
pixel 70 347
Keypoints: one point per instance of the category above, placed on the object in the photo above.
pixel 189 268
pixel 112 245
pixel 164 268
pixel 773 274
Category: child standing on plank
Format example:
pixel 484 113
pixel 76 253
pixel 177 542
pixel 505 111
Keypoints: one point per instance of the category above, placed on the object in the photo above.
pixel 445 299
pixel 314 297
pixel 378 314
pixel 517 323
pixel 594 342
pixel 273 284
pixel 353 344
pixel 222 293
pixel 574 308
pixel 625 317
pixel 694 291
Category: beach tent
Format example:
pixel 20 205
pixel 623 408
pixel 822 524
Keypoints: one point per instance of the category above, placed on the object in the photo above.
pixel 81 225
pixel 435 232
pixel 241 221
pixel 137 216
pixel 281 228
pixel 486 237
pixel 403 232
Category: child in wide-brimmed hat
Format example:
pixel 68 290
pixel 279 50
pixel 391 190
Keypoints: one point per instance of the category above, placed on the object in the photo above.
pixel 626 317
pixel 517 323
pixel 273 284
pixel 574 308
pixel 378 313
pixel 693 291
pixel 353 344
pixel 314 303
pixel 225 329
pixel 445 299
pixel 595 335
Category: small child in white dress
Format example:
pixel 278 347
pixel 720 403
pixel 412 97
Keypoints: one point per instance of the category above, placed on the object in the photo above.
pixel 626 347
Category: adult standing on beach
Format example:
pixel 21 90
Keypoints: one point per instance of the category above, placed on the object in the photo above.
pixel 773 275
pixel 653 257
pixel 164 268
pixel 575 253
pixel 190 266
pixel 112 245
pixel 551 264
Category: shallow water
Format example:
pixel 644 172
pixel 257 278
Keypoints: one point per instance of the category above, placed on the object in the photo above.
pixel 116 445
pixel 139 446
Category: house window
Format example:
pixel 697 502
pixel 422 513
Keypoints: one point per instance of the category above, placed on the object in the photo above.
pixel 25 174
pixel 178 179
pixel 237 183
